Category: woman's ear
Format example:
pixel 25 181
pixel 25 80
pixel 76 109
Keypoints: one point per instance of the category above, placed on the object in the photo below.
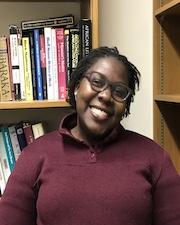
pixel 76 91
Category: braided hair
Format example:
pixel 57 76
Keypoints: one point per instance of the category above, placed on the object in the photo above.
pixel 87 62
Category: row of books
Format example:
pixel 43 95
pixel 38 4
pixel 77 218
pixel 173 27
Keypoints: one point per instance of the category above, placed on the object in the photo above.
pixel 36 60
pixel 13 139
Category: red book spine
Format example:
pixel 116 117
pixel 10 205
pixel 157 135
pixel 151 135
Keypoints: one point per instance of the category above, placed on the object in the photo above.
pixel 61 63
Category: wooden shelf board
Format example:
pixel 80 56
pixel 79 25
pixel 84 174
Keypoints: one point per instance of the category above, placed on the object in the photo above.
pixel 171 8
pixel 33 104
pixel 168 98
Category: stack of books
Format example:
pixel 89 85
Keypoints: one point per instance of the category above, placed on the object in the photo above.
pixel 13 139
pixel 38 58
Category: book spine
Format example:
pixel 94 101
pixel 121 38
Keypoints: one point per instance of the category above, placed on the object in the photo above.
pixel 32 59
pixel 61 63
pixel 39 84
pixel 85 37
pixel 27 127
pixel 51 22
pixel 21 71
pixel 27 69
pixel 38 130
pixel 4 159
pixel 67 59
pixel 8 147
pixel 21 136
pixel 5 82
pixel 75 50
pixel 54 63
pixel 2 178
pixel 43 63
pixel 15 60
pixel 14 141
pixel 48 51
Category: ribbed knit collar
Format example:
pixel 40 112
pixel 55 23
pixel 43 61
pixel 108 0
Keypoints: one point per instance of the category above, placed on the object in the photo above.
pixel 70 121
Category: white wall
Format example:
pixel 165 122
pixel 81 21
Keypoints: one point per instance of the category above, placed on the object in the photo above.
pixel 127 24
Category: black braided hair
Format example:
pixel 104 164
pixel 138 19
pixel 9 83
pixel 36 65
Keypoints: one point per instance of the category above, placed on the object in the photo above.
pixel 87 62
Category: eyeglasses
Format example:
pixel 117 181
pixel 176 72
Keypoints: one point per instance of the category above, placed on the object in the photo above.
pixel 119 91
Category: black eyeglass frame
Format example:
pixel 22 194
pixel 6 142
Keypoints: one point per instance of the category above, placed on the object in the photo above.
pixel 109 84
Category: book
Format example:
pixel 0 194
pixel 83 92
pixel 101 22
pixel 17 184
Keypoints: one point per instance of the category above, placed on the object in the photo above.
pixel 2 178
pixel 43 63
pixel 85 31
pixel 8 147
pixel 38 130
pixel 32 59
pixel 48 22
pixel 49 64
pixel 20 135
pixel 37 56
pixel 74 47
pixel 21 69
pixel 5 82
pixel 61 68
pixel 27 127
pixel 67 59
pixel 14 141
pixel 54 64
pixel 27 69
pixel 4 159
pixel 13 35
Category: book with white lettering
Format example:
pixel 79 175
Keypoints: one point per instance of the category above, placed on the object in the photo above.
pixel 5 82
pixel 60 21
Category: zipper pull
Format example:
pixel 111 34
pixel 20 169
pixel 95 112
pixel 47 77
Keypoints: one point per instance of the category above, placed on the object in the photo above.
pixel 92 157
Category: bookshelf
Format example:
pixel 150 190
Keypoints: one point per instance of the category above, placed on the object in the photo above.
pixel 167 77
pixel 13 12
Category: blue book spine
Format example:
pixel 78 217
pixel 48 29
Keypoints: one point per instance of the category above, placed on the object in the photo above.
pixel 8 147
pixel 39 84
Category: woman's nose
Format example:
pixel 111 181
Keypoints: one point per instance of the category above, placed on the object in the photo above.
pixel 106 94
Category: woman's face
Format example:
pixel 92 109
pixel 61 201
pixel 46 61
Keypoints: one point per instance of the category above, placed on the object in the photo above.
pixel 97 112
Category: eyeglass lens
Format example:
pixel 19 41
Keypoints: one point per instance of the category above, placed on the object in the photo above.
pixel 99 83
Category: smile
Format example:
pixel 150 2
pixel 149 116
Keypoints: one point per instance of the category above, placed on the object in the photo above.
pixel 99 114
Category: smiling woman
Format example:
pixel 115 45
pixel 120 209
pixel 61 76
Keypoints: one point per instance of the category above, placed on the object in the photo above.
pixel 92 170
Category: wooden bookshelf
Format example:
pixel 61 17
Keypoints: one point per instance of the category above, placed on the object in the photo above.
pixel 13 12
pixel 167 77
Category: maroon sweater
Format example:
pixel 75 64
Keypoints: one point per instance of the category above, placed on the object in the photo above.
pixel 126 180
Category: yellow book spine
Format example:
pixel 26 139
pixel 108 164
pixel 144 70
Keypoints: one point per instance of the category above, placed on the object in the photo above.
pixel 27 69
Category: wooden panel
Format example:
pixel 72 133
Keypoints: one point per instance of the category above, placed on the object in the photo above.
pixel 171 137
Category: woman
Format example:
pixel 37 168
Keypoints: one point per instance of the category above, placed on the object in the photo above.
pixel 92 171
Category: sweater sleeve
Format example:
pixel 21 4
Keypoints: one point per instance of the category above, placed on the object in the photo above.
pixel 166 195
pixel 18 203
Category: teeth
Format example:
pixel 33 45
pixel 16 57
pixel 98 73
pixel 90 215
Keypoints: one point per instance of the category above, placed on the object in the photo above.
pixel 99 113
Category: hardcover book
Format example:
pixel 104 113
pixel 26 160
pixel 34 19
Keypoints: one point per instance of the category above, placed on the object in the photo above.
pixel 27 127
pixel 49 64
pixel 61 68
pixel 8 147
pixel 38 130
pixel 37 56
pixel 48 22
pixel 14 32
pixel 5 82
pixel 14 141
pixel 27 69
pixel 4 159
pixel 85 28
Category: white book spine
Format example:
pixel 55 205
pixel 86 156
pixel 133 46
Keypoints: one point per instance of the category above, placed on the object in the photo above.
pixel 21 72
pixel 38 130
pixel 49 65
pixel 14 58
pixel 54 62
pixel 14 141
pixel 2 179
pixel 5 166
